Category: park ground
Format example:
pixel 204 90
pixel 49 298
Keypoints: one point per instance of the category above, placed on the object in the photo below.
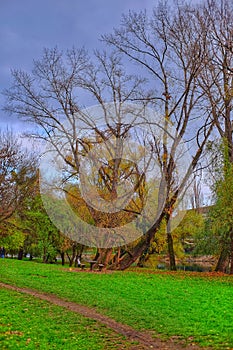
pixel 54 307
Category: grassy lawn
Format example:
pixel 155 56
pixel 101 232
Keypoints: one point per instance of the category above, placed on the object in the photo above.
pixel 189 306
pixel 26 322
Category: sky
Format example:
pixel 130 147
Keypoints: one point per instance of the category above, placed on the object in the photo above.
pixel 29 26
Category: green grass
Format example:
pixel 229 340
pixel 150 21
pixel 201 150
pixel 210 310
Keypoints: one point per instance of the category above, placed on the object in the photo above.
pixel 26 322
pixel 189 306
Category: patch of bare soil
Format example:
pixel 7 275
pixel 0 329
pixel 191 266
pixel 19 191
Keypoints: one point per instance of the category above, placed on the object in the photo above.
pixel 144 339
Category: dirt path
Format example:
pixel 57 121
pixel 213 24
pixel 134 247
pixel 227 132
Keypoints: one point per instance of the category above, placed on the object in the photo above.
pixel 144 339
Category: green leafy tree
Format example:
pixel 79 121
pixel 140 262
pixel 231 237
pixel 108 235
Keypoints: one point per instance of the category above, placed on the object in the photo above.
pixel 13 239
pixel 17 174
pixel 217 235
pixel 221 221
pixel 186 232
pixel 43 237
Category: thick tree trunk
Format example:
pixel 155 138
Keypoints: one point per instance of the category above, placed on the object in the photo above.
pixel 171 253
pixel 104 256
pixel 144 243
pixel 130 256
pixel 222 260
pixel 20 254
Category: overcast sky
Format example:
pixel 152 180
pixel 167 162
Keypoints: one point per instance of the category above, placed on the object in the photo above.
pixel 28 26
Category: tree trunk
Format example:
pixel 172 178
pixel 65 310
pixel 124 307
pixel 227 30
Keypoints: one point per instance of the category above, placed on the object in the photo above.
pixel 222 260
pixel 144 243
pixel 62 258
pixel 20 254
pixel 143 258
pixel 73 255
pixel 97 254
pixel 104 256
pixel 171 253
pixel 130 257
pixel 231 260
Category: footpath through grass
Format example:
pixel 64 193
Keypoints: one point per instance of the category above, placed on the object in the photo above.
pixel 26 322
pixel 188 306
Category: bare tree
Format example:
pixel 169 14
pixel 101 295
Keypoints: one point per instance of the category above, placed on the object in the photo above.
pixel 50 99
pixel 170 49
pixel 216 79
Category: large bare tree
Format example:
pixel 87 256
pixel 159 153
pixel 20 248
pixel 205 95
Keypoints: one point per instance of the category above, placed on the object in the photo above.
pixel 170 50
pixel 50 98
